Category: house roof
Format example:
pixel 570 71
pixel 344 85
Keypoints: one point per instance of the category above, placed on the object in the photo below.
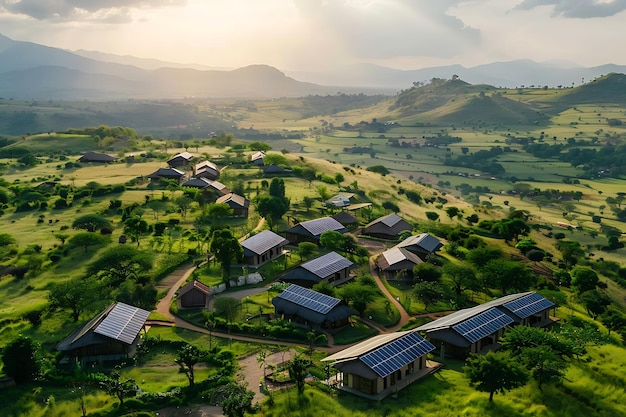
pixel 236 199
pixel 262 242
pixel 206 164
pixel 384 354
pixel 182 155
pixel 166 173
pixel 96 157
pixel 275 169
pixel 257 155
pixel 197 183
pixel 345 218
pixel 390 225
pixel 340 200
pixel 424 242
pixel 311 305
pixel 197 285
pixel 397 258
pixel 318 226
pixel 328 264
pixel 120 322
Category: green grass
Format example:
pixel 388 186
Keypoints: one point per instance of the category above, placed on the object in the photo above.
pixel 353 333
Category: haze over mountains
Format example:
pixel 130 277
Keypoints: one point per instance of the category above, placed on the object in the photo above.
pixel 33 71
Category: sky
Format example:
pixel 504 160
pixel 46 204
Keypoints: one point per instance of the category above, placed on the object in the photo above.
pixel 326 34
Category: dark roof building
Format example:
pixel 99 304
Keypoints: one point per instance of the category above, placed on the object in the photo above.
pixel 193 294
pixel 387 227
pixel 257 158
pixel 311 230
pixel 383 364
pixel 263 247
pixel 112 334
pixel 345 218
pixel 340 200
pixel 311 308
pixel 167 173
pixel 332 268
pixel 96 157
pixel 422 245
pixel 206 184
pixel 275 170
pixel 396 260
pixel 238 203
pixel 206 169
pixel 183 159
pixel 476 329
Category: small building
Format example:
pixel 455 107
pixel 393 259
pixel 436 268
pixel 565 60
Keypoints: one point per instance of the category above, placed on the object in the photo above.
pixel 387 227
pixel 167 173
pixel 183 159
pixel 194 294
pixel 478 329
pixel 345 218
pixel 97 157
pixel 207 185
pixel 206 169
pixel 258 158
pixel 311 308
pixel 311 230
pixel 111 335
pixel 397 261
pixel 331 268
pixel 340 200
pixel 383 364
pixel 422 245
pixel 275 170
pixel 238 203
pixel 263 247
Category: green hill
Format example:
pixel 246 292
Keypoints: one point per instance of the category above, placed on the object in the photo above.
pixel 610 89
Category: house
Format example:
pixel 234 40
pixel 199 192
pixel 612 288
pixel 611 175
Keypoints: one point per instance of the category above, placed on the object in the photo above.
pixel 478 329
pixel 113 334
pixel 206 169
pixel 311 230
pixel 193 294
pixel 422 245
pixel 183 159
pixel 383 364
pixel 311 308
pixel 340 200
pixel 397 261
pixel 332 268
pixel 387 227
pixel 207 185
pixel 257 158
pixel 166 173
pixel 263 247
pixel 275 170
pixel 238 203
pixel 96 157
pixel 346 219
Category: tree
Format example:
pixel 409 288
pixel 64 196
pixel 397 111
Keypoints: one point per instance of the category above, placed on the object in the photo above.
pixel 92 223
pixel 332 240
pixel 426 272
pixel 183 202
pixel 236 399
pixel 324 287
pixel 429 293
pixel 226 307
pixel 75 295
pixel 535 255
pixel 358 296
pixel 544 365
pixel 186 358
pixel 87 239
pixel 226 250
pixel 388 205
pixel 481 256
pixel 298 371
pixel 511 229
pixel 507 275
pixel 121 262
pixel 136 227
pixel 584 279
pixel 339 178
pixel 121 388
pixel 613 320
pixel 6 239
pixel 21 359
pixel 431 215
pixel 308 173
pixel 494 373
pixel 452 211
pixel 462 277
pixel 306 248
pixel 308 202
pixel 571 251
pixel 272 208
pixel 322 191
pixel 157 207
pixel 595 302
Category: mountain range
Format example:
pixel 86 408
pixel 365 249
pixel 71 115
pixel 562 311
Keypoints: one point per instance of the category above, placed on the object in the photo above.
pixel 33 71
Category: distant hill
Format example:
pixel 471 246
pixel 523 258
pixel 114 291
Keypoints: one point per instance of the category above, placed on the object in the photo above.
pixel 610 88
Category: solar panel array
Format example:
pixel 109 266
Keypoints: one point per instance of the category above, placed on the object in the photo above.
pixel 528 305
pixel 123 323
pixel 327 264
pixel 263 242
pixel 482 325
pixel 390 219
pixel 393 356
pixel 313 300
pixel 318 226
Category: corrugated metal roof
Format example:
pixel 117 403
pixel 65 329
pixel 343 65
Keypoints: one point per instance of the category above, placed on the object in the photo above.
pixel 123 323
pixel 318 226
pixel 263 242
pixel 425 241
pixel 313 300
pixel 197 182
pixel 183 155
pixel 396 255
pixel 395 355
pixel 368 345
pixel 194 285
pixel 327 264
pixel 205 164
pixel 235 198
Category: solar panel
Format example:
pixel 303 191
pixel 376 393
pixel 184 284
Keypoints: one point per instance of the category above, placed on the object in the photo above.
pixel 327 264
pixel 528 305
pixel 482 325
pixel 310 299
pixel 318 226
pixel 123 323
pixel 393 356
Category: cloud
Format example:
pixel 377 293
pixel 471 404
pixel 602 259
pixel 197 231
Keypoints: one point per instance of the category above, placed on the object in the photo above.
pixel 581 9
pixel 383 29
pixel 109 11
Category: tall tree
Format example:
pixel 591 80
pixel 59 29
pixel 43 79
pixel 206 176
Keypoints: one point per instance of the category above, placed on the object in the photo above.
pixel 186 359
pixel 495 373
pixel 91 222
pixel 297 371
pixel 462 277
pixel 121 262
pixel 226 249
pixel 21 359
pixel 136 227
pixel 113 384
pixel 272 209
pixel 75 295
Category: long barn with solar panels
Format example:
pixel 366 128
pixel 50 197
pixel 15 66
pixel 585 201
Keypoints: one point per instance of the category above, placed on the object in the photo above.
pixel 383 364
pixel 311 230
pixel 311 308
pixel 331 268
pixel 477 329
pixel 112 334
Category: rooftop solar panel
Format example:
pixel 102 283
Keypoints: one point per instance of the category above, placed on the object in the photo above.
pixel 123 323
pixel 327 264
pixel 528 305
pixel 393 356
pixel 482 325
pixel 310 299
pixel 318 226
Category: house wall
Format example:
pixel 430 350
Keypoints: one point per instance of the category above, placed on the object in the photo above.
pixel 193 298
pixel 258 259
pixel 378 385
pixel 338 277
